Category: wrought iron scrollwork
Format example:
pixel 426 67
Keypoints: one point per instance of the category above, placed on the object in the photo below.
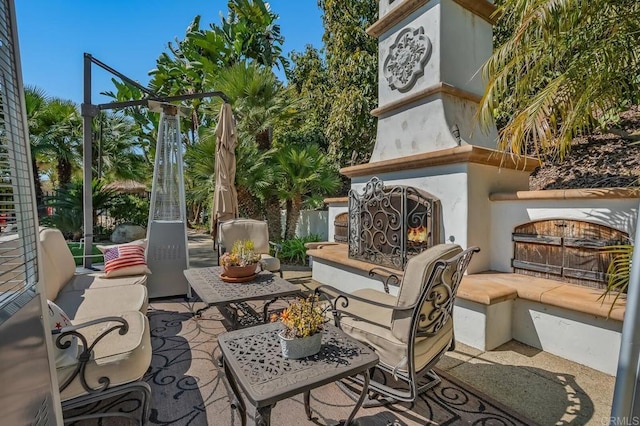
pixel 64 339
pixel 390 224
pixel 438 299
pixel 390 279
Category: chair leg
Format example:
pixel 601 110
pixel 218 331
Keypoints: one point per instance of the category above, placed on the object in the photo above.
pixel 142 387
pixel 384 394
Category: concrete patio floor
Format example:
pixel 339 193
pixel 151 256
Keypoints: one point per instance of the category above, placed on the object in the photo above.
pixel 540 386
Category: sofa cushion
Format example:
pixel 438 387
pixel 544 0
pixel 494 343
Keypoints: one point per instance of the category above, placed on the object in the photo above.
pixel 124 259
pixel 103 301
pixel 269 262
pixel 121 358
pixel 244 229
pixel 392 351
pixel 96 280
pixel 58 265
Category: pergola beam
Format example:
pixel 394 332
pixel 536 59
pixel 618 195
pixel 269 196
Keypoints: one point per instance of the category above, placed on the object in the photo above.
pixel 166 99
pixel 88 111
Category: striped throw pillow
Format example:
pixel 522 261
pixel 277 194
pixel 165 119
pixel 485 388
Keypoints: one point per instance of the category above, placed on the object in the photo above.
pixel 124 259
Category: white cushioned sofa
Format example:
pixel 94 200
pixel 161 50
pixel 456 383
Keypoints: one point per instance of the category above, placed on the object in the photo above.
pixel 109 313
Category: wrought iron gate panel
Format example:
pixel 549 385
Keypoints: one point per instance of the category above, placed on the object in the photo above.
pixel 388 225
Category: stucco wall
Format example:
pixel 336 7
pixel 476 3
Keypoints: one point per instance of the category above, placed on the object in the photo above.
pixel 619 213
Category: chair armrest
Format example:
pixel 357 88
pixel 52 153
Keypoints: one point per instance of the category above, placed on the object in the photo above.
pixel 339 300
pixel 85 356
pixel 339 294
pixel 276 248
pixel 390 277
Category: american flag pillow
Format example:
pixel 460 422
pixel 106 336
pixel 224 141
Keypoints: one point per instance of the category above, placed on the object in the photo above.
pixel 125 259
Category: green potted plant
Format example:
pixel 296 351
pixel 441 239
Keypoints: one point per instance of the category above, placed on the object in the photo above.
pixel 303 320
pixel 242 262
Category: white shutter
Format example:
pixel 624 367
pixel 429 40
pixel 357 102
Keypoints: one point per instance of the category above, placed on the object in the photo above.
pixel 28 392
pixel 18 258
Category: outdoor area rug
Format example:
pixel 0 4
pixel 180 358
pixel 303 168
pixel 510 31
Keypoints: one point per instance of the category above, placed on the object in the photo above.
pixel 190 389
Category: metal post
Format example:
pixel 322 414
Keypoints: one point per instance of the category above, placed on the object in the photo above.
pixel 624 395
pixel 88 111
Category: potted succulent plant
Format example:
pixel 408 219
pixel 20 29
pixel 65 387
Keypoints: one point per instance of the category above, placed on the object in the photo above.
pixel 303 320
pixel 241 262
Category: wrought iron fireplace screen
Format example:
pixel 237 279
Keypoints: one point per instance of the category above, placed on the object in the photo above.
pixel 390 224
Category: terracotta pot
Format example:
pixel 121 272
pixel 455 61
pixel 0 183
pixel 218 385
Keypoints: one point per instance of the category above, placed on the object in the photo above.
pixel 240 271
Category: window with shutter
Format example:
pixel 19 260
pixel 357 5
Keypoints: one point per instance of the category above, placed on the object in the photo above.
pixel 25 370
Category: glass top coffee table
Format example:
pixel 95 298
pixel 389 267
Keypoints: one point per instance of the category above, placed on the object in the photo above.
pixel 253 361
pixel 230 298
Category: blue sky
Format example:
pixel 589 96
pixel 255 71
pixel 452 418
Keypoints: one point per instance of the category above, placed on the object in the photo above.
pixel 128 35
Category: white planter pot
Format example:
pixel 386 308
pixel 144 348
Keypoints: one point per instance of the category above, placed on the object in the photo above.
pixel 300 347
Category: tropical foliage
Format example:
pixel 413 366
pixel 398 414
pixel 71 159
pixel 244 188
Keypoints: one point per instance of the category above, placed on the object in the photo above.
pixel 341 90
pixel 129 208
pixel 294 251
pixel 306 175
pixel 67 207
pixel 618 273
pixel 564 68
pixel 292 137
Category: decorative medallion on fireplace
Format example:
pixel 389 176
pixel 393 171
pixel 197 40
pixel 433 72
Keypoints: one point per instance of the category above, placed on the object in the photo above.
pixel 407 58
pixel 390 224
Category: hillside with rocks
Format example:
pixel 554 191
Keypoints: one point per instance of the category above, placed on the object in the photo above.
pixel 595 161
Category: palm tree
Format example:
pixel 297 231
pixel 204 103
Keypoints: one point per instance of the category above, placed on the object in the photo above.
pixel 254 175
pixel 35 103
pixel 566 67
pixel 260 103
pixel 61 138
pixel 119 152
pixel 68 206
pixel 306 172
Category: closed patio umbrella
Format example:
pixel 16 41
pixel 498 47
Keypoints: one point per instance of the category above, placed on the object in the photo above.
pixel 225 198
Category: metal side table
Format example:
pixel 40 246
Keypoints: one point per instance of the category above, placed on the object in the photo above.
pixel 230 298
pixel 253 362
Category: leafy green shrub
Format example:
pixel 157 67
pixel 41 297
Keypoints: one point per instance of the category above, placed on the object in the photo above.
pixel 294 251
pixel 127 208
pixel 68 207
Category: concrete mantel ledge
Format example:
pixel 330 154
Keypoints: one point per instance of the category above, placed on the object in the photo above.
pixel 567 194
pixel 481 8
pixel 460 154
pixel 425 93
pixel 336 200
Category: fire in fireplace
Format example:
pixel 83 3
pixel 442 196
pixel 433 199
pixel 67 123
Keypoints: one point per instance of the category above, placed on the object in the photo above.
pixel 390 224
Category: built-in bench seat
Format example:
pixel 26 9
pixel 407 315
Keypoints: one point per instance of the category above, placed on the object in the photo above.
pixel 550 292
pixel 494 307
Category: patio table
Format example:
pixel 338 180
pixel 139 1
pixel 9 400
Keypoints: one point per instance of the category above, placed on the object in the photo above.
pixel 253 361
pixel 231 298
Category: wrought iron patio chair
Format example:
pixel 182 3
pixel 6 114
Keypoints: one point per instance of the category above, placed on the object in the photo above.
pixel 233 230
pixel 410 332
pixel 112 356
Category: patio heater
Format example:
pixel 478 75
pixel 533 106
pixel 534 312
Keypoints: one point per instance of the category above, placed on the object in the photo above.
pixel 167 251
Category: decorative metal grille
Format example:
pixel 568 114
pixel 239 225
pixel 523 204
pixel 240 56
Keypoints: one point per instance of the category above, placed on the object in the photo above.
pixel 389 225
